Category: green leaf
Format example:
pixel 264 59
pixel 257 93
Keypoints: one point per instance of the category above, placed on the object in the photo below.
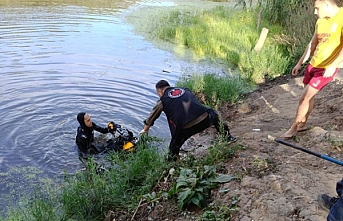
pixel 196 201
pixel 224 178
pixel 172 190
pixel 184 197
pixel 200 189
pixel 181 183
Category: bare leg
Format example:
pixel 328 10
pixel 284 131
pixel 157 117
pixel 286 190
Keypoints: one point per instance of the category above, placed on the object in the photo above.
pixel 305 107
pixel 302 124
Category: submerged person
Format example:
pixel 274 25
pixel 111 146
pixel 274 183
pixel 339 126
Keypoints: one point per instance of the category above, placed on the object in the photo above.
pixel 85 134
pixel 185 114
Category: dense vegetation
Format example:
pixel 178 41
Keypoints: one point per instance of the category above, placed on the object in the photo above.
pixel 226 36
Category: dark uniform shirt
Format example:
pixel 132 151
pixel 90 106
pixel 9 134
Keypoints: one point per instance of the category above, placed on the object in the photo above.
pixel 181 107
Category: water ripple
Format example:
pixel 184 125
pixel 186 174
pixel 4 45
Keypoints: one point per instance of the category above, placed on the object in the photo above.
pixel 58 60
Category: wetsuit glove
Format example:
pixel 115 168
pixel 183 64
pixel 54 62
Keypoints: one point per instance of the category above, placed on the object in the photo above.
pixel 112 127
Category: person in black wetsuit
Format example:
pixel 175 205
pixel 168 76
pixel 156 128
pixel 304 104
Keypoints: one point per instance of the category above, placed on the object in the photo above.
pixel 185 114
pixel 85 134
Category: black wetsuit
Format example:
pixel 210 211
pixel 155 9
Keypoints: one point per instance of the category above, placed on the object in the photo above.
pixel 85 135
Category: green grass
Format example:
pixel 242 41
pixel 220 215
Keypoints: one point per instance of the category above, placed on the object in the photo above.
pixel 226 36
pixel 117 189
pixel 212 90
pixel 90 194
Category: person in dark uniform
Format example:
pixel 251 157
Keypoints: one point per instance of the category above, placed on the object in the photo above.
pixel 334 205
pixel 85 134
pixel 185 114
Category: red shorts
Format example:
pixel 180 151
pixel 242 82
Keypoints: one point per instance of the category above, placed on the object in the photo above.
pixel 314 77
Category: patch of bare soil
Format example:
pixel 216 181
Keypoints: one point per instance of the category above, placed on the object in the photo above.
pixel 278 182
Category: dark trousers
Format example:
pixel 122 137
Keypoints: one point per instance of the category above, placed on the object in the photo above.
pixel 180 138
pixel 336 211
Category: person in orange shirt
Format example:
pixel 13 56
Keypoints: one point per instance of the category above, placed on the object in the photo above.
pixel 326 52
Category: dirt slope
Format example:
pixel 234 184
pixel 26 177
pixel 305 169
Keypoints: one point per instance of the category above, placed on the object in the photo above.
pixel 280 182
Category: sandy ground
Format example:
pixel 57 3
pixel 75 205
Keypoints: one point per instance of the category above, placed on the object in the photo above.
pixel 280 182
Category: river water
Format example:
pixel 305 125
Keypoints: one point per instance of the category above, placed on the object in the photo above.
pixel 62 57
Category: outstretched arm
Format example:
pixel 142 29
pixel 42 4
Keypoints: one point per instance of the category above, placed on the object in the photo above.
pixel 102 130
pixel 154 114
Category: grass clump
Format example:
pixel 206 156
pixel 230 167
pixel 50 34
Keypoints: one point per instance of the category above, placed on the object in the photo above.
pixel 106 191
pixel 118 188
pixel 225 35
pixel 91 194
pixel 213 89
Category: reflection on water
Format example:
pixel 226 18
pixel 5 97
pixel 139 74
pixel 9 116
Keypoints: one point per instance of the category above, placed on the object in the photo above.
pixel 62 57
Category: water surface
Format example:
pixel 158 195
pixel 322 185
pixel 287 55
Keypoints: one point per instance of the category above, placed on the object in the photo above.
pixel 62 57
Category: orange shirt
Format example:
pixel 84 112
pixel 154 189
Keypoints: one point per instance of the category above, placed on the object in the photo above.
pixel 329 32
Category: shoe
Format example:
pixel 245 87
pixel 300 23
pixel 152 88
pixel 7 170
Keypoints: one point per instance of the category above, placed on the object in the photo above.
pixel 326 202
pixel 231 139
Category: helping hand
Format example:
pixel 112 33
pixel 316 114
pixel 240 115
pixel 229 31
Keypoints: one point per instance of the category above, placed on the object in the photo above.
pixel 143 132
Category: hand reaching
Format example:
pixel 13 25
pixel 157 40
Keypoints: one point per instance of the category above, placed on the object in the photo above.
pixel 143 132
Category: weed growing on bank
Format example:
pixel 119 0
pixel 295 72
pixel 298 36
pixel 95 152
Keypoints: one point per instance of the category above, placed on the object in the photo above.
pixel 93 194
pixel 90 194
pixel 213 89
pixel 225 35
pixel 195 178
pixel 102 191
